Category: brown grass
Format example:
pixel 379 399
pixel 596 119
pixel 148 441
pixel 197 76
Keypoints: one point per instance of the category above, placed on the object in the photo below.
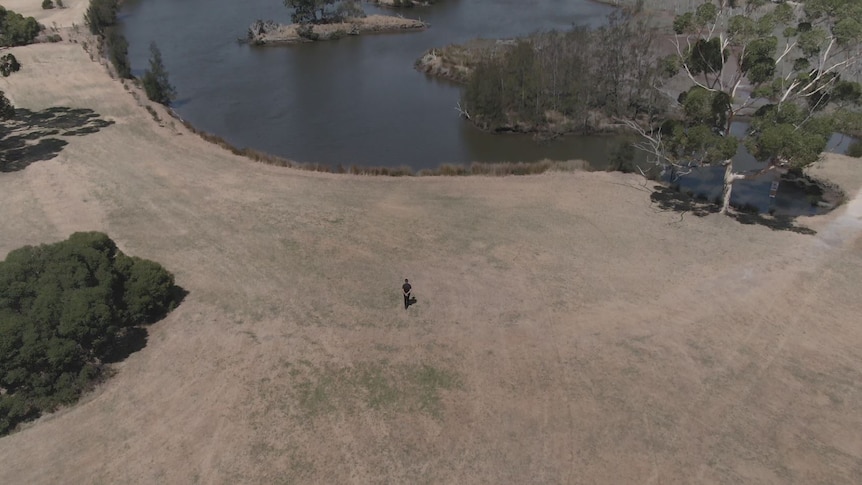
pixel 566 329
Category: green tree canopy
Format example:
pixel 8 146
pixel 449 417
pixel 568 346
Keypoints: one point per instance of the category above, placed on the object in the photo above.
pixel 100 15
pixel 567 79
pixel 156 83
pixel 788 67
pixel 15 29
pixel 9 64
pixel 65 310
pixel 7 111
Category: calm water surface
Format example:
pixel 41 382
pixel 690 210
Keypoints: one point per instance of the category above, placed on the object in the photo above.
pixel 357 100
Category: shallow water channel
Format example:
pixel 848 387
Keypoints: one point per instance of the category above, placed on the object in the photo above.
pixel 359 101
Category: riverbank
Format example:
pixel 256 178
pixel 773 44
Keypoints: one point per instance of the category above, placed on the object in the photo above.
pixel 729 339
pixel 271 33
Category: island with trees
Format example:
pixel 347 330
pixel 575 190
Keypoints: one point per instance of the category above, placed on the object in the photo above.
pixel 789 70
pixel 315 20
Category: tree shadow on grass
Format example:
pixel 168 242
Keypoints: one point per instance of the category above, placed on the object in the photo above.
pixel 134 339
pixel 776 223
pixel 669 199
pixel 33 136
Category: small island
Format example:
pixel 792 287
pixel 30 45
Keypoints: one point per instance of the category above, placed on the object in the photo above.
pixel 315 20
pixel 272 33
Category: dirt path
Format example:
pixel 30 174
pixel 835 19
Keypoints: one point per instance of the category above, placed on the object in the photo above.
pixel 567 331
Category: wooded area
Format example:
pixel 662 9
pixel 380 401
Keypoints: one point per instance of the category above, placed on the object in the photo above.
pixel 66 309
pixel 575 81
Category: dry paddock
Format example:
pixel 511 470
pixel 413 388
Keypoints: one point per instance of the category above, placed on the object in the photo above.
pixel 567 330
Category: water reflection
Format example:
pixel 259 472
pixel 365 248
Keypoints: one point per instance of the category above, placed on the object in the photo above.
pixel 359 100
pixel 792 198
pixel 353 101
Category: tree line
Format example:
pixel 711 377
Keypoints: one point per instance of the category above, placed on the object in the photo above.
pixel 15 29
pixel 567 81
pixel 101 18
pixel 791 70
pixel 67 309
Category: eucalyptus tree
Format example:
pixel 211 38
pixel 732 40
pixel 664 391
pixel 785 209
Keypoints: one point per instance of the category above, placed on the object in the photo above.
pixel 156 83
pixel 791 68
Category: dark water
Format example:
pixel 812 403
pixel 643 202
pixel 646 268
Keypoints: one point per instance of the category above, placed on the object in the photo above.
pixel 357 100
pixel 790 200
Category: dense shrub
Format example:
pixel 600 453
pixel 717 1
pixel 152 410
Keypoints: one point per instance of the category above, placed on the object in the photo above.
pixel 100 15
pixel 101 18
pixel 65 310
pixel 564 81
pixel 155 80
pixel 47 4
pixel 855 150
pixel 7 111
pixel 118 52
pixel 9 64
pixel 17 30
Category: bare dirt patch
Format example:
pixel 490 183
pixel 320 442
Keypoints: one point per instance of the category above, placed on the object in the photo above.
pixel 575 332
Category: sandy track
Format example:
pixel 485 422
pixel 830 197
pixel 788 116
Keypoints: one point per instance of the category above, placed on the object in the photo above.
pixel 595 338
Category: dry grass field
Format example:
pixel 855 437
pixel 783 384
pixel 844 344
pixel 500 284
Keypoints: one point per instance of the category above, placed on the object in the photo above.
pixel 567 329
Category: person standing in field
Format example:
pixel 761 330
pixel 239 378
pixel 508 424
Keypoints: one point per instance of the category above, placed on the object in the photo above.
pixel 406 288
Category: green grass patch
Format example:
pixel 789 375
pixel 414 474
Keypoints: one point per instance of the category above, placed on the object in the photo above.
pixel 376 385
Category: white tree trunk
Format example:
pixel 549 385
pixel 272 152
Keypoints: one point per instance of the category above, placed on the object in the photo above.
pixel 729 178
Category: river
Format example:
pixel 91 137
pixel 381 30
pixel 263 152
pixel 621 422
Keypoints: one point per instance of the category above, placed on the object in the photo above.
pixel 356 100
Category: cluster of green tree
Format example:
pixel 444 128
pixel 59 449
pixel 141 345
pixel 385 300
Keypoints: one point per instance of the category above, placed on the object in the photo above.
pixel 65 310
pixel 568 79
pixel 101 17
pixel 7 110
pixel 49 4
pixel 8 65
pixel 796 64
pixel 15 29
pixel 155 80
pixel 323 11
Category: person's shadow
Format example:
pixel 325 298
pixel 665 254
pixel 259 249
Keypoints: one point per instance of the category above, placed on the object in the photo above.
pixel 411 301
